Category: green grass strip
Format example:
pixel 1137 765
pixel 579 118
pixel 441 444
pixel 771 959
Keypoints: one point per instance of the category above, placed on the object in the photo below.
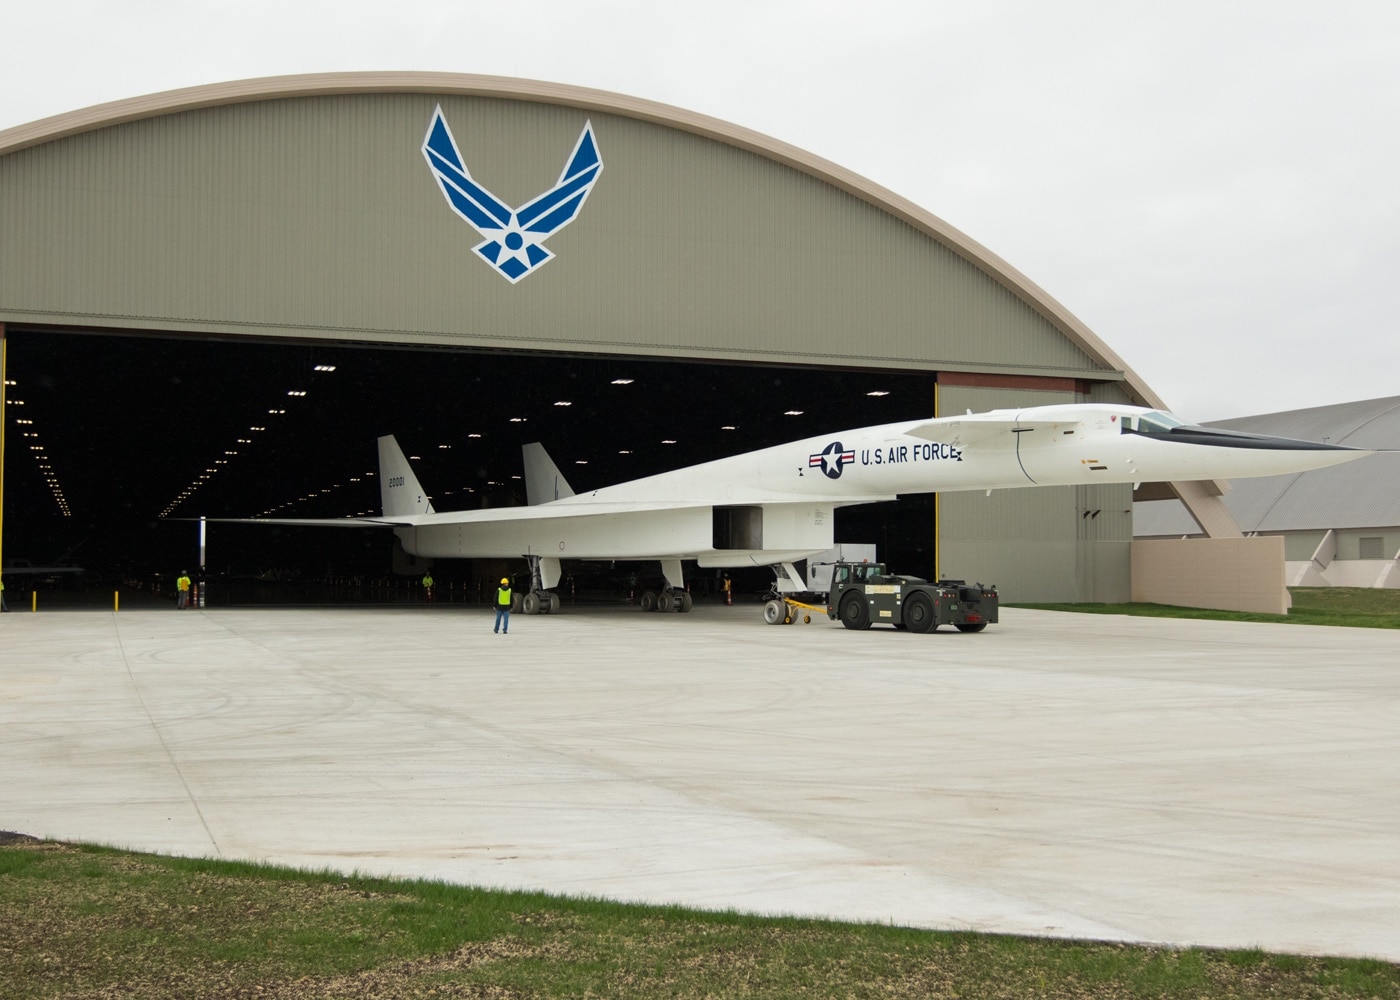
pixel 1351 607
pixel 92 922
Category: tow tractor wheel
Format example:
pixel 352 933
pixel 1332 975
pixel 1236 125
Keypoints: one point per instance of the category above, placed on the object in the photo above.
pixel 918 613
pixel 774 612
pixel 972 627
pixel 854 613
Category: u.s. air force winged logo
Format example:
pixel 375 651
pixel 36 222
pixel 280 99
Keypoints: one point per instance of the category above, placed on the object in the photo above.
pixel 514 236
pixel 831 460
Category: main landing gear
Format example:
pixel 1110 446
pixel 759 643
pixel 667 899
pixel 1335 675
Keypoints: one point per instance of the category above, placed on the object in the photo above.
pixel 669 599
pixel 540 602
pixel 540 599
pixel 673 596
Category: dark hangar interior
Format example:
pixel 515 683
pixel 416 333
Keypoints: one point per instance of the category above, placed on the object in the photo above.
pixel 116 441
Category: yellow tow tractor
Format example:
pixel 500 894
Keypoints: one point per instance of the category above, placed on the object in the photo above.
pixel 863 594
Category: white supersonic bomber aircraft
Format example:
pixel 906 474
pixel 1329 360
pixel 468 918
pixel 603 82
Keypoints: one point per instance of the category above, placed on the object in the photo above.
pixel 774 507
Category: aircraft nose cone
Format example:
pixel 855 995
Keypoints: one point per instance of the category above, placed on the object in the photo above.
pixel 1240 439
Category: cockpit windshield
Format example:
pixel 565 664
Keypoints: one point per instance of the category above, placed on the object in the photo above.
pixel 1154 422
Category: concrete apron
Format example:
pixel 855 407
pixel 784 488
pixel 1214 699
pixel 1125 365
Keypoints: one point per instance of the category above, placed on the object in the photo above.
pixel 1184 782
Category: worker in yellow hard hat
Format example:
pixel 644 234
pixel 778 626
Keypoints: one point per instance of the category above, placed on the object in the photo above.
pixel 503 599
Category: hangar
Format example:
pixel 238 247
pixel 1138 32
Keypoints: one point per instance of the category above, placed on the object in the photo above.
pixel 243 234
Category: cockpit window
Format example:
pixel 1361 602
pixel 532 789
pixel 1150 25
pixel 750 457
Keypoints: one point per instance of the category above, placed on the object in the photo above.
pixel 1155 422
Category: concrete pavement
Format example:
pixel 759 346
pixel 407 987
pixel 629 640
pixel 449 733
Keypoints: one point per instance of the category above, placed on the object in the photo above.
pixel 1186 782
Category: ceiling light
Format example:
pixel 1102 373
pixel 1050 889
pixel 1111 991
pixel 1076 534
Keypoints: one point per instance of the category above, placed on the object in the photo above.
pixel 877 392
pixel 792 413
pixel 325 368
pixel 622 381
pixel 563 402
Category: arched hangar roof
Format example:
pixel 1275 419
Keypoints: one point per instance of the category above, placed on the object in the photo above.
pixel 302 205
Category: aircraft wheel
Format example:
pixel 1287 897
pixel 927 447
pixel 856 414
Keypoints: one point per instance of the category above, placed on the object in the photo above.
pixel 972 627
pixel 665 601
pixel 531 604
pixel 517 602
pixel 854 613
pixel 552 607
pixel 648 601
pixel 774 612
pixel 918 614
pixel 686 602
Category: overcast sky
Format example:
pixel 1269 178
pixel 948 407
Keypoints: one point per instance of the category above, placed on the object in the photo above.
pixel 1212 186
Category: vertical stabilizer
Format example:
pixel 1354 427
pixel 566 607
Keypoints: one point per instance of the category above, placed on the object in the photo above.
pixel 543 480
pixel 400 493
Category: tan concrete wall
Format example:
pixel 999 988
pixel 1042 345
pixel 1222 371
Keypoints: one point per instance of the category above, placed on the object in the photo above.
pixel 1230 574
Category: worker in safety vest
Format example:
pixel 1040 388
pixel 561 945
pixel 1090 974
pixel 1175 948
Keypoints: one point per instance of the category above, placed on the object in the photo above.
pixel 182 590
pixel 428 587
pixel 503 598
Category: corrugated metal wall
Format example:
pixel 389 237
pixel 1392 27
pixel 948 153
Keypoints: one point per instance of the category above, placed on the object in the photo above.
pixel 318 216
